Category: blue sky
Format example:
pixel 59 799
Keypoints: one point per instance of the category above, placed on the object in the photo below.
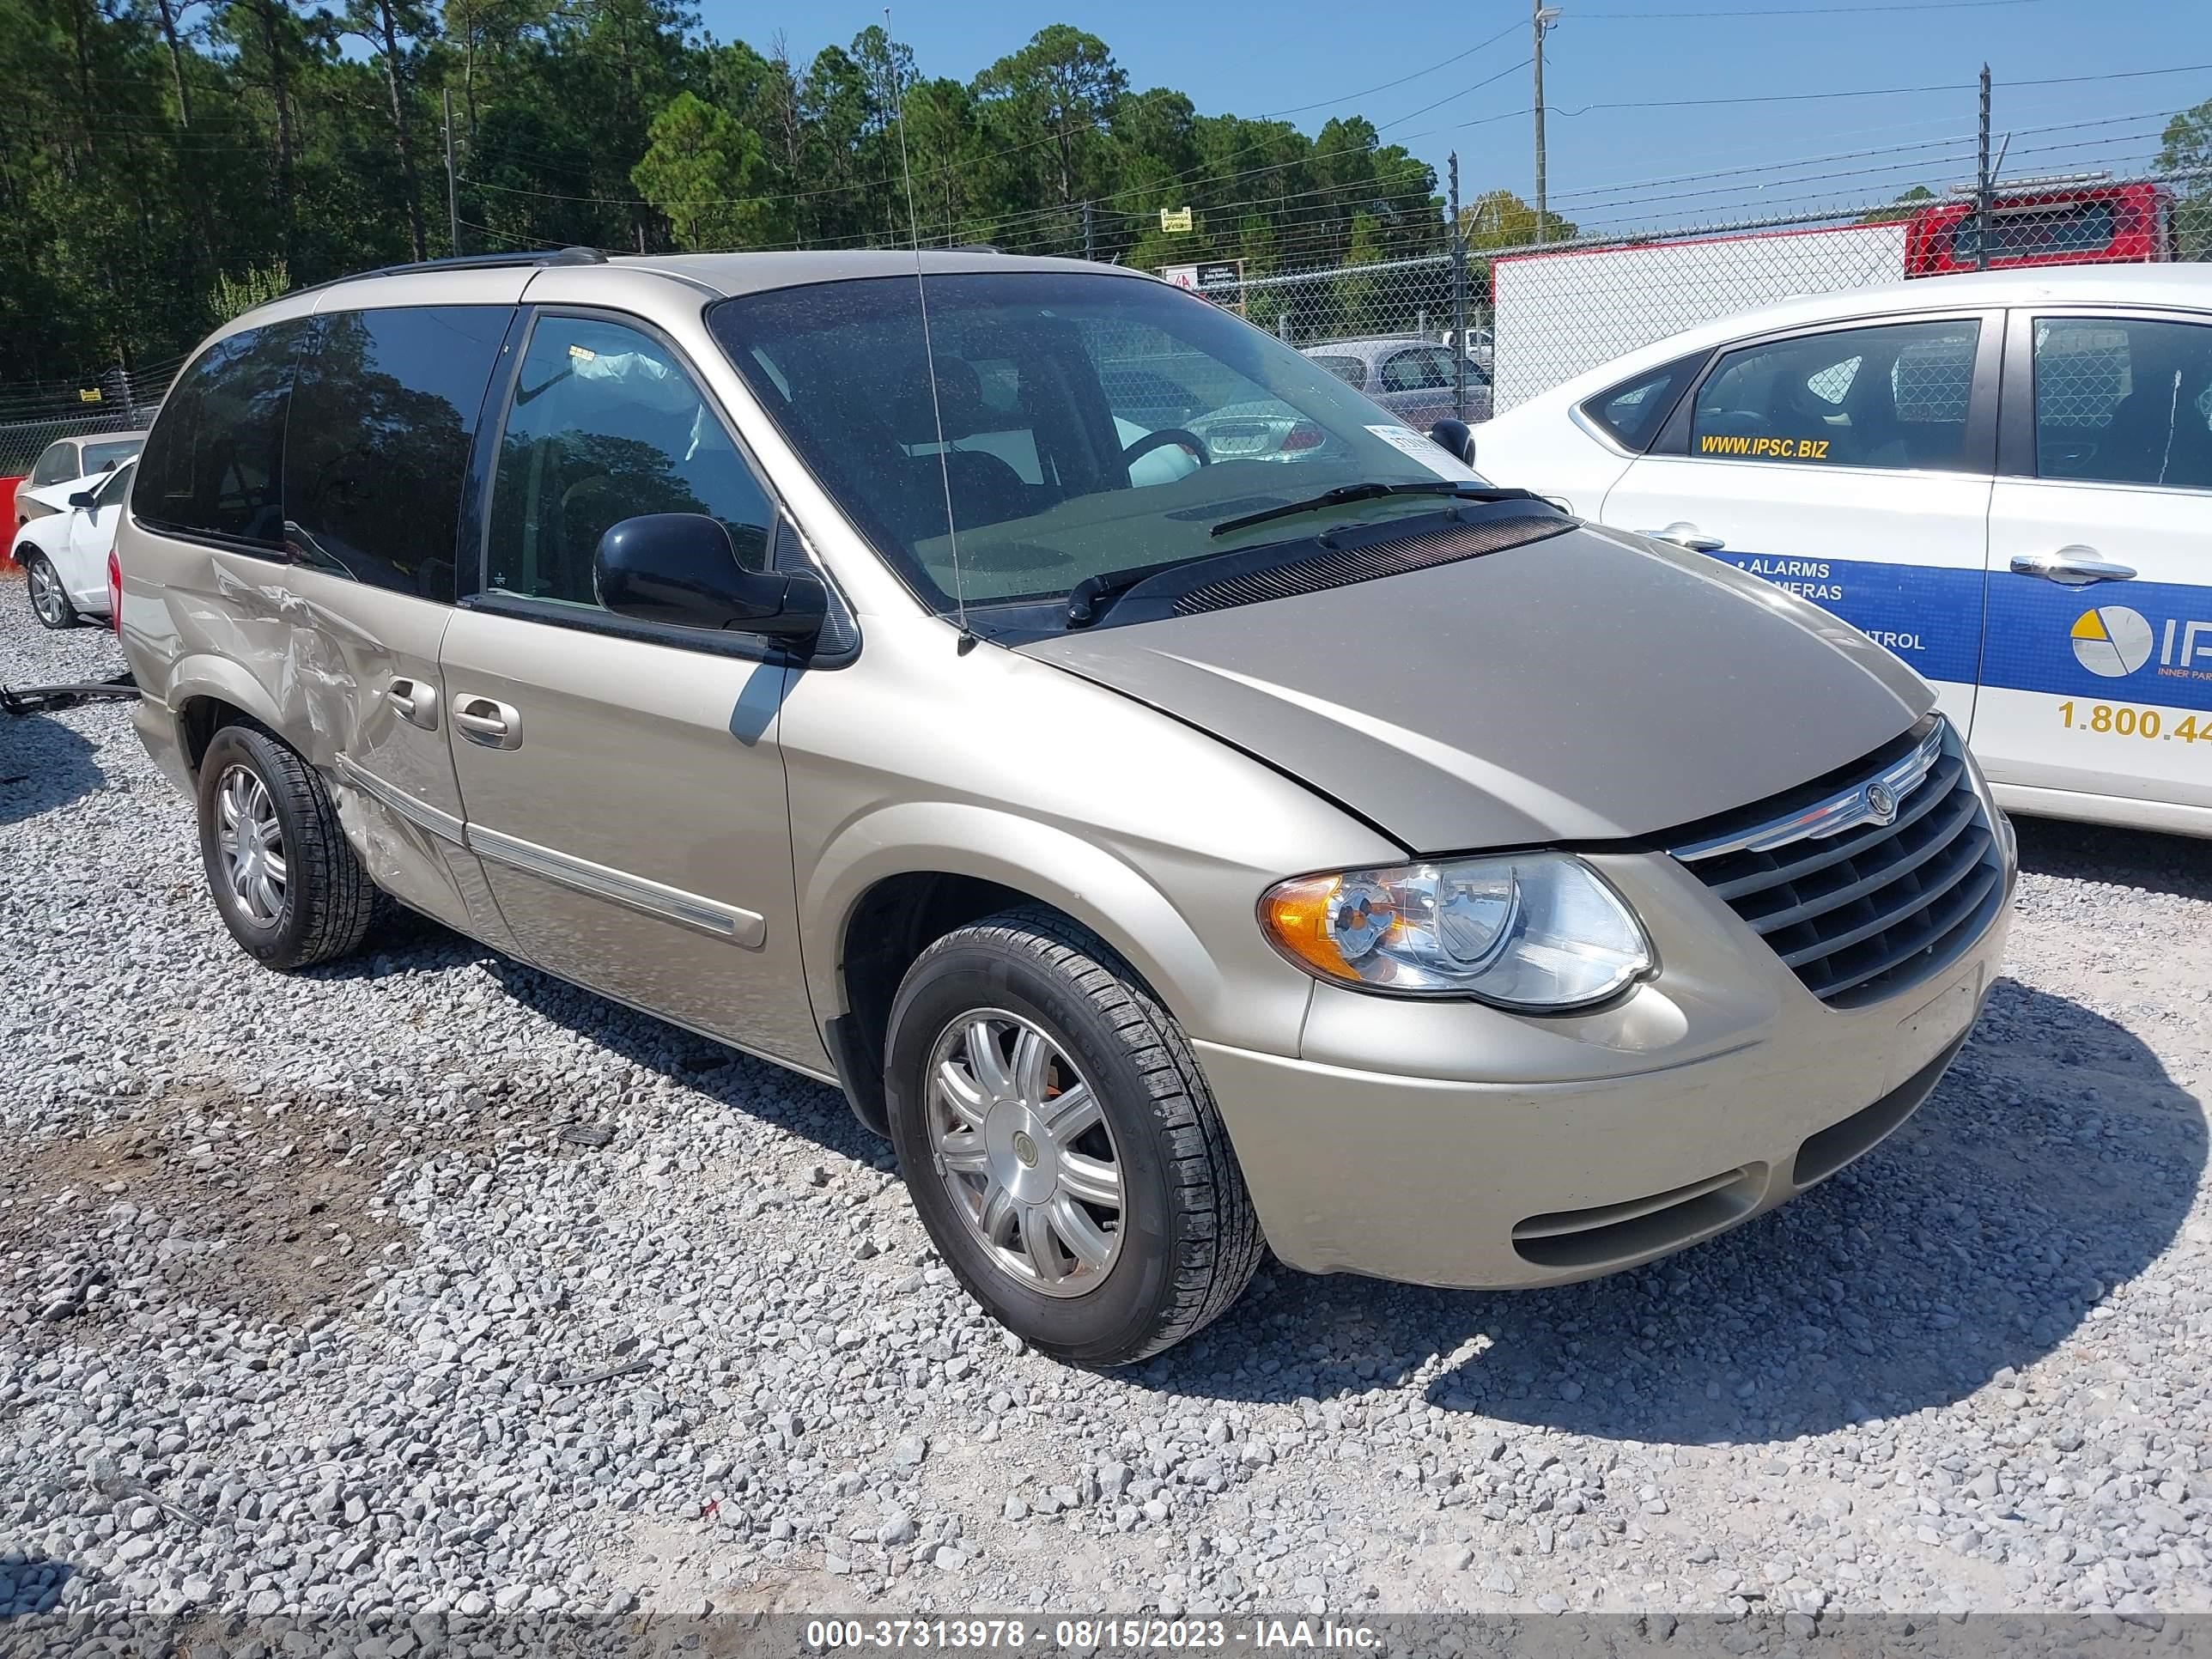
pixel 1256 60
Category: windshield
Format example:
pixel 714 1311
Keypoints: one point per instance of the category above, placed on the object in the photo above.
pixel 1093 424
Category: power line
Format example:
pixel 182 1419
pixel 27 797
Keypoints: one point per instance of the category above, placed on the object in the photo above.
pixel 1791 14
pixel 1457 57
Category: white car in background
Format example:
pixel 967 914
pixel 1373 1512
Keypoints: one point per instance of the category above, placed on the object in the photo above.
pixel 2006 479
pixel 92 454
pixel 63 552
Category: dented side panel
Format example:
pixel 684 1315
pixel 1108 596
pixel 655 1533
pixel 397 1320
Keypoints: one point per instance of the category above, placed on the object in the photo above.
pixel 316 658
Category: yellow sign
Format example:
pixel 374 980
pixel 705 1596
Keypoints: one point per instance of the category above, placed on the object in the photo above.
pixel 1174 219
pixel 87 394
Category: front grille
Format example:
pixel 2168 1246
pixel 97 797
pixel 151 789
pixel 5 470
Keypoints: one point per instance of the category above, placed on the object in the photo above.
pixel 1342 566
pixel 1861 908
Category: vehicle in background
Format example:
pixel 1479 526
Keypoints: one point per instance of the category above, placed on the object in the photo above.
pixel 1482 346
pixel 1559 314
pixel 2006 479
pixel 1176 868
pixel 64 550
pixel 2092 225
pixel 86 455
pixel 1412 378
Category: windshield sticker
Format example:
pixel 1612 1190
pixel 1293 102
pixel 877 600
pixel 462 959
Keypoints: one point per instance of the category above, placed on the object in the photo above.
pixel 1777 449
pixel 1427 451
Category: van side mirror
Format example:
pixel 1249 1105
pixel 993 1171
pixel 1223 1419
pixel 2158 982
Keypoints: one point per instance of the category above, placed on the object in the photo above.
pixel 1456 436
pixel 680 569
pixel 84 501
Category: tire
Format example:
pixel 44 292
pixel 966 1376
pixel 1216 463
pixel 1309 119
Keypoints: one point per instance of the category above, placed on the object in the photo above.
pixel 50 600
pixel 318 905
pixel 1184 1239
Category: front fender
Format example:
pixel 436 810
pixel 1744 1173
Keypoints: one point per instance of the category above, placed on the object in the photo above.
pixel 1105 893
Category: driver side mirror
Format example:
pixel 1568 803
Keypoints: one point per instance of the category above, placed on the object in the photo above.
pixel 84 501
pixel 680 569
pixel 1456 436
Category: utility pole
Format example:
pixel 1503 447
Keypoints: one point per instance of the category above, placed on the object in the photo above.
pixel 1981 181
pixel 1540 17
pixel 1459 300
pixel 1089 241
pixel 452 194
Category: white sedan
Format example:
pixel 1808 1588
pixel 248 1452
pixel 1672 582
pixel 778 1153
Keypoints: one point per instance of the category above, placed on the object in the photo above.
pixel 2005 480
pixel 63 552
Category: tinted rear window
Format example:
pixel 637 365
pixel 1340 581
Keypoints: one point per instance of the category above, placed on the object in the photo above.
pixel 211 464
pixel 2040 233
pixel 1634 410
pixel 384 409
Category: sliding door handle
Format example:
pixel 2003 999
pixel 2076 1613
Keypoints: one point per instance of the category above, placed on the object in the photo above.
pixel 484 721
pixel 415 701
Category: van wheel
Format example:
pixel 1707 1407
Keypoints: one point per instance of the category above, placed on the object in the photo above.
pixel 50 600
pixel 289 888
pixel 1060 1143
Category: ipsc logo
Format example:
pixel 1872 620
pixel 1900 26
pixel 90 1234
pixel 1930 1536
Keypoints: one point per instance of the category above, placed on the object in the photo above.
pixel 2111 640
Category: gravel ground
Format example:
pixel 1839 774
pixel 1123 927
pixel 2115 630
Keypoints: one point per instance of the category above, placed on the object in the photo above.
pixel 313 1307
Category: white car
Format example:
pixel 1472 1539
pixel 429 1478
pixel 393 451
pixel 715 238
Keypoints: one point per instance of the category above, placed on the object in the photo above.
pixel 63 552
pixel 66 460
pixel 2006 479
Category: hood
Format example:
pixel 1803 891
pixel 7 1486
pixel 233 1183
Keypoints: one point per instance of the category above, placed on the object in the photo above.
pixel 1590 686
pixel 57 496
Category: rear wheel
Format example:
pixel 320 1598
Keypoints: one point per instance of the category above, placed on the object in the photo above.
pixel 284 877
pixel 1060 1143
pixel 50 600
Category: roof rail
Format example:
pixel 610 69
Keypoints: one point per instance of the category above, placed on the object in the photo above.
pixel 543 257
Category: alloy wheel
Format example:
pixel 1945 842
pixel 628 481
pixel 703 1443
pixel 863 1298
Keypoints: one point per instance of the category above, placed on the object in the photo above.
pixel 46 596
pixel 1020 1139
pixel 252 845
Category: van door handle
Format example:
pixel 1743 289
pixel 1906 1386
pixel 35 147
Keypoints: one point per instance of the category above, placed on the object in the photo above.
pixel 1688 535
pixel 481 720
pixel 414 701
pixel 2072 567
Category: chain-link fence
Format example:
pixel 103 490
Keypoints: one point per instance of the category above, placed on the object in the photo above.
pixel 1477 333
pixel 118 400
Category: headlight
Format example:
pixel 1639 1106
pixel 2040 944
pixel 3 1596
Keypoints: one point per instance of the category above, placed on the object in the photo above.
pixel 1538 931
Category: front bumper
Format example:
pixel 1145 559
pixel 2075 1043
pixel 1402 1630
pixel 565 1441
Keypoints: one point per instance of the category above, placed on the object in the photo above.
pixel 1451 1181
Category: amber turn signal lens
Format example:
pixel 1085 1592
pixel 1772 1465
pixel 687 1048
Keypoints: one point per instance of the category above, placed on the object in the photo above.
pixel 1296 914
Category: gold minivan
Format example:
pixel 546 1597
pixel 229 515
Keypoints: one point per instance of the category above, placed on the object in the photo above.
pixel 1183 807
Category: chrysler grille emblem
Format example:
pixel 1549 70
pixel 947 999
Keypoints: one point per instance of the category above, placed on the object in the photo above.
pixel 1882 802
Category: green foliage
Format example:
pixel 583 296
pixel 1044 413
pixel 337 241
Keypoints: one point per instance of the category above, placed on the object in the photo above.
pixel 1903 208
pixel 1499 219
pixel 162 161
pixel 2186 146
pixel 701 171
pixel 232 296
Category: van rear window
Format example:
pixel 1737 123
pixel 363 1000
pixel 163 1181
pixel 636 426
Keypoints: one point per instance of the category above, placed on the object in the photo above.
pixel 213 463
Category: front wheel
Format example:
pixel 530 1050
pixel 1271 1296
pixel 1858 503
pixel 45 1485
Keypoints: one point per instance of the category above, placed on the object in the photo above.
pixel 1062 1146
pixel 50 599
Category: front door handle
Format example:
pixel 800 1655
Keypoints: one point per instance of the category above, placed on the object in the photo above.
pixel 481 720
pixel 2071 567
pixel 415 701
pixel 1688 535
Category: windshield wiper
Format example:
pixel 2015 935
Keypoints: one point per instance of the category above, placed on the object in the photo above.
pixel 1367 492
pixel 1088 600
